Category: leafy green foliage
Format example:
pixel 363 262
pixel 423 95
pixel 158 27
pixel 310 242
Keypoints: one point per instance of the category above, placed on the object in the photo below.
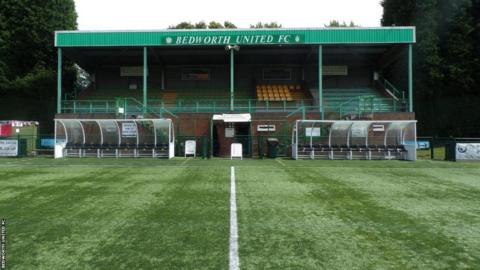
pixel 215 25
pixel 182 25
pixel 28 59
pixel 447 62
pixel 203 25
pixel 266 25
pixel 335 23
pixel 228 24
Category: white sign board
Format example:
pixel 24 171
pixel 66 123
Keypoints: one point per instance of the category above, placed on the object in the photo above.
pixel 314 132
pixel 129 130
pixel 467 151
pixel 190 147
pixel 233 118
pixel 236 151
pixel 59 149
pixel 266 128
pixel 8 148
pixel 229 132
pixel 378 128
pixel 358 131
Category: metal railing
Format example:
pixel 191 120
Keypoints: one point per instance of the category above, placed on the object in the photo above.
pixel 369 104
pixel 130 106
pixel 392 90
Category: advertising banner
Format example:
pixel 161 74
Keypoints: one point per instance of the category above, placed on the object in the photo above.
pixel 467 151
pixel 5 130
pixel 129 130
pixel 8 148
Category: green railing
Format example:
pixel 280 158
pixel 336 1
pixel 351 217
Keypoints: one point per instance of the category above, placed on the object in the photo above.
pixel 157 108
pixel 369 104
pixel 223 105
pixel 392 90
pixel 89 106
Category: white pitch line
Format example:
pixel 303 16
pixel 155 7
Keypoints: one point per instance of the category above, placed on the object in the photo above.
pixel 233 254
pixel 185 161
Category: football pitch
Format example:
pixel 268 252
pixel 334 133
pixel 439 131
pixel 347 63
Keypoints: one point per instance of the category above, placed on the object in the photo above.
pixel 177 214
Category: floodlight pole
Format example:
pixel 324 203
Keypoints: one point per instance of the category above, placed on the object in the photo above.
pixel 59 80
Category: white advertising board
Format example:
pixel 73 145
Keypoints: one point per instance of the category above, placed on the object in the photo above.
pixel 266 128
pixel 190 147
pixel 467 151
pixel 8 148
pixel 129 130
pixel 314 132
pixel 236 151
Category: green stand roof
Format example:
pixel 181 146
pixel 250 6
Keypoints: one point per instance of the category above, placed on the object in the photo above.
pixel 379 35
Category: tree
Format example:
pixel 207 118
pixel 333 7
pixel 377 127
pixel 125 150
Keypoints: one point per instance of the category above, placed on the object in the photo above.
pixel 215 25
pixel 28 57
pixel 335 23
pixel 203 25
pixel 266 25
pixel 447 62
pixel 182 25
pixel 228 24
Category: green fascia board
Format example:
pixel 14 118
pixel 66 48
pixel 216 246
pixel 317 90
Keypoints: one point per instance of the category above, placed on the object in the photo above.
pixel 355 35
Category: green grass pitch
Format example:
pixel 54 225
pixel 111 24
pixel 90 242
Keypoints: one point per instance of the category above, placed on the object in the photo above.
pixel 174 214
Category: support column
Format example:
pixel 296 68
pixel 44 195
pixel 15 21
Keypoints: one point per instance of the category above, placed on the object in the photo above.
pixel 320 81
pixel 59 80
pixel 163 78
pixel 410 77
pixel 145 74
pixel 232 80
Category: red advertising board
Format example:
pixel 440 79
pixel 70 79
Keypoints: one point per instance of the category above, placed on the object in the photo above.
pixel 5 130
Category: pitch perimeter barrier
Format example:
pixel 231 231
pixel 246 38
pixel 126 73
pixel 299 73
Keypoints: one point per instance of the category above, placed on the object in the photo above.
pixel 442 148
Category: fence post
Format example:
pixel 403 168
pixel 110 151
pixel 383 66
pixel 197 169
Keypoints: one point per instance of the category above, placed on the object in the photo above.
pixel 204 147
pixel 432 147
pixel 125 107
pixel 358 108
pixel 90 107
pixel 249 105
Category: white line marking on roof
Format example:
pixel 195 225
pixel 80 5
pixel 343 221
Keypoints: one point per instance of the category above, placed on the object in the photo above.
pixel 234 261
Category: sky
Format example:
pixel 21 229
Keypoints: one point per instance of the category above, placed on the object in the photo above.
pixel 158 14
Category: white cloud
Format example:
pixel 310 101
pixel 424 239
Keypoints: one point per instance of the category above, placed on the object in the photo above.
pixel 151 14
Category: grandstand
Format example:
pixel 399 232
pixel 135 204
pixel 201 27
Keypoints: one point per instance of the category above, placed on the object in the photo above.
pixel 278 76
